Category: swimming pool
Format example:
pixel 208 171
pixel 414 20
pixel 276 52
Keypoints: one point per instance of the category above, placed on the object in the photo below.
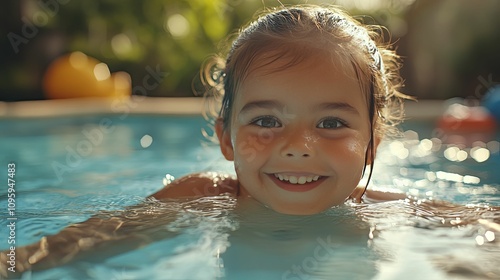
pixel 70 168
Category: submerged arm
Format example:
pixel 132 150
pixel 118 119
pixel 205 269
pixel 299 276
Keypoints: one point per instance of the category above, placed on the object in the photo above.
pixel 118 232
pixel 74 241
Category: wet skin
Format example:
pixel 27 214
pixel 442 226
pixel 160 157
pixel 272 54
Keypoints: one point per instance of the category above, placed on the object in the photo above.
pixel 298 137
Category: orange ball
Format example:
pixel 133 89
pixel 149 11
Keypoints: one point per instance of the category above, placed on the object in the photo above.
pixel 77 75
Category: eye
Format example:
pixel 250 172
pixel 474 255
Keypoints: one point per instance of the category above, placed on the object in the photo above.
pixel 331 123
pixel 266 121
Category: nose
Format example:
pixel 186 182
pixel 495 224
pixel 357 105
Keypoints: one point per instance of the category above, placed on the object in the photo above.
pixel 298 145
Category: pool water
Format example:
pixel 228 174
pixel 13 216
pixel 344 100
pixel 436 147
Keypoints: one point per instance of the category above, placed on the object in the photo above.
pixel 69 169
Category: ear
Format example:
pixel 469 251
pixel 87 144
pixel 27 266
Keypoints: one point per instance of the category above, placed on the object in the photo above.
pixel 376 142
pixel 224 136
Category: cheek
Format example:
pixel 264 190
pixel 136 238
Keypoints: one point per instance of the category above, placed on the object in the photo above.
pixel 249 144
pixel 349 150
pixel 247 149
pixel 356 147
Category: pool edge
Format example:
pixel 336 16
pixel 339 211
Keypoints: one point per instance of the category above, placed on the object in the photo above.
pixel 419 110
pixel 86 106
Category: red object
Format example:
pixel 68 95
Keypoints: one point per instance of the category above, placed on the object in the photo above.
pixel 465 119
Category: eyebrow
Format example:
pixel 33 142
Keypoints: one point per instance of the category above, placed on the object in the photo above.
pixel 337 106
pixel 271 104
pixel 261 104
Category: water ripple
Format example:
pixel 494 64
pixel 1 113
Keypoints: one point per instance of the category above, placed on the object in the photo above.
pixel 461 241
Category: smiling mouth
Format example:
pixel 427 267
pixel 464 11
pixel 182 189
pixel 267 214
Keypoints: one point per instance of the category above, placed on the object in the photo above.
pixel 297 180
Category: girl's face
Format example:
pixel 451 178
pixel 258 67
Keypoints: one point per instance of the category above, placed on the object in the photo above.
pixel 298 136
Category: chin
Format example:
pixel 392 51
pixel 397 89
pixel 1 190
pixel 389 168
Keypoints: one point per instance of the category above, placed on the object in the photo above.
pixel 299 210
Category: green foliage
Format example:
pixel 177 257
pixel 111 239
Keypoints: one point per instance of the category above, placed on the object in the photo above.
pixel 130 35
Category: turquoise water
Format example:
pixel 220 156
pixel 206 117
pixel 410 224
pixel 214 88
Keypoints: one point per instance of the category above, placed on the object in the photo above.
pixel 69 169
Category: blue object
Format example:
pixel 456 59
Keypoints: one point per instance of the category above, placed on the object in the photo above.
pixel 491 101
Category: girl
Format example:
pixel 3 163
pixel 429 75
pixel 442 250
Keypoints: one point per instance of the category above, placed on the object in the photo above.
pixel 307 95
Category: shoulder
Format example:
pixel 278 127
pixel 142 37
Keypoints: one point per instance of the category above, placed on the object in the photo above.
pixel 359 194
pixel 199 185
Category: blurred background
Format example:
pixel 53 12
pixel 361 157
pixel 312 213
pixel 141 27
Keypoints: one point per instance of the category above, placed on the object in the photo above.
pixel 450 47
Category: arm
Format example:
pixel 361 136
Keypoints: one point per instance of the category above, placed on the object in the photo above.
pixel 118 232
pixel 77 241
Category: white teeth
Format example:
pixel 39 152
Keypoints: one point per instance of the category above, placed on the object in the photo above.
pixel 296 180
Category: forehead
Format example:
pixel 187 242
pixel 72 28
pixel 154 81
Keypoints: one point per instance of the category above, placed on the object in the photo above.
pixel 330 74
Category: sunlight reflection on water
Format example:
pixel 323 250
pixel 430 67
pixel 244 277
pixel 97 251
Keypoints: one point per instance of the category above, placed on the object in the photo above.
pixel 217 238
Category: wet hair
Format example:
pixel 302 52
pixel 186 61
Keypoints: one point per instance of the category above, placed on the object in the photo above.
pixel 298 33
